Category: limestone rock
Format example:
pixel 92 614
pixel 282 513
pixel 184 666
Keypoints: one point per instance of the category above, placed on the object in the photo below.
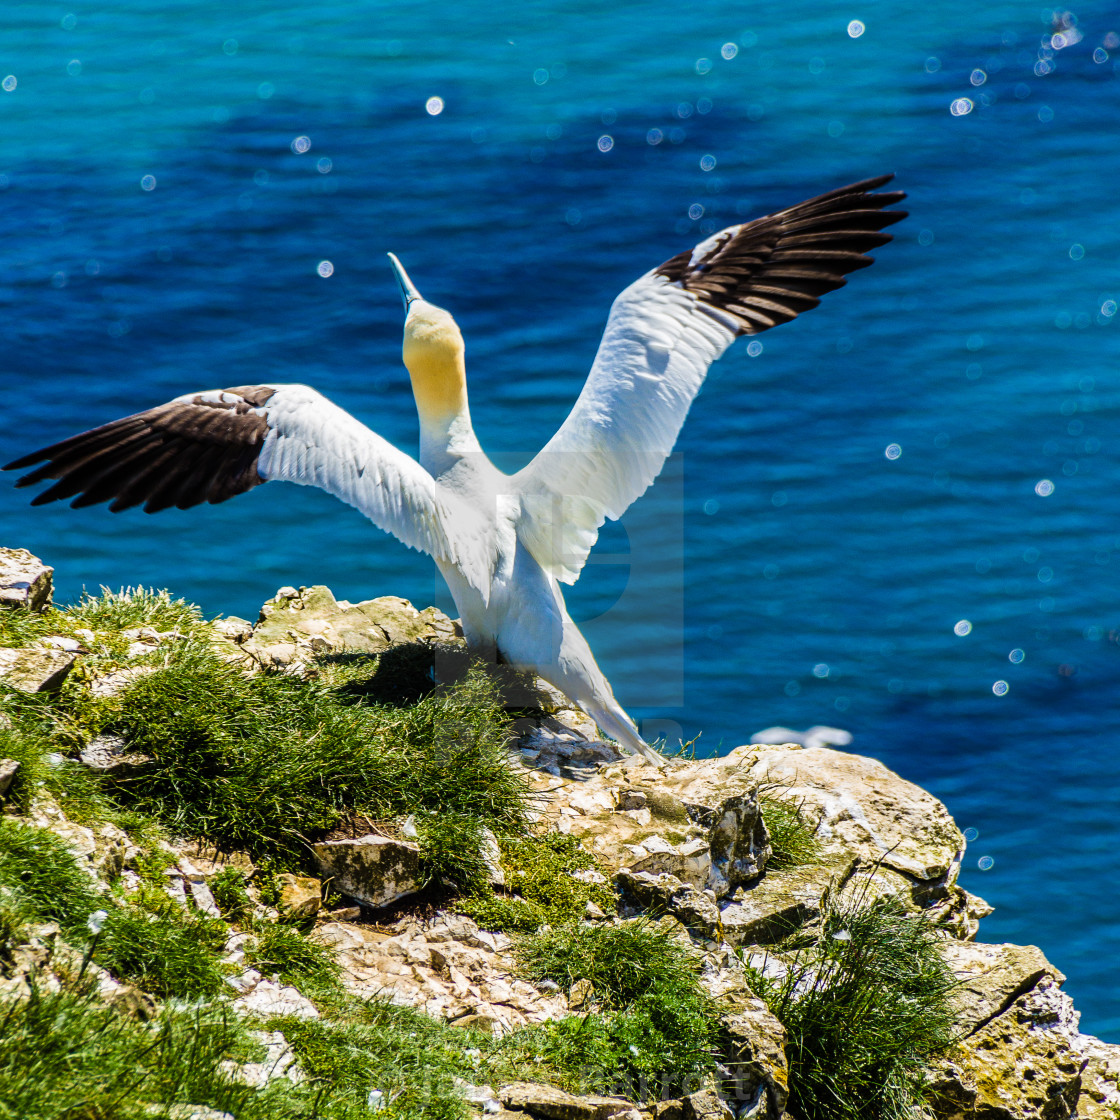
pixel 25 581
pixel 262 997
pixel 279 1061
pixel 447 967
pixel 300 895
pixel 111 754
pixel 1100 1080
pixel 554 1104
pixel 373 869
pixel 740 844
pixel 295 625
pixel 705 1105
pixel 698 822
pixel 35 670
pixel 755 1059
pixel 863 805
pixel 1023 1065
pixel 665 893
pixel 117 680
pixel 780 903
pixel 991 977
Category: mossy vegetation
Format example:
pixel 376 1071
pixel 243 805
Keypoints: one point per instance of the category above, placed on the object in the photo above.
pixel 866 1008
pixel 549 879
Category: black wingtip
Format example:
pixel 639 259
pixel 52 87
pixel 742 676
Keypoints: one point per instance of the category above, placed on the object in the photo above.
pixel 24 461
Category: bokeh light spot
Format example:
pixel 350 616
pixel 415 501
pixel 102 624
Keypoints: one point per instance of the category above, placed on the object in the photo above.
pixel 9 83
pixel 893 451
pixel 961 107
pixel 148 183
pixel 856 28
pixel 606 143
pixel 1001 688
pixel 1016 656
pixel 1044 488
pixel 325 269
pixel 963 628
pixel 433 106
pixel 301 144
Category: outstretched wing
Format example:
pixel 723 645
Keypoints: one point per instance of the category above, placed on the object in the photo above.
pixel 664 332
pixel 210 446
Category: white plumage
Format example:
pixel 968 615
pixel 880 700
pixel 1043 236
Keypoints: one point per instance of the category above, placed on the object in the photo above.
pixel 504 543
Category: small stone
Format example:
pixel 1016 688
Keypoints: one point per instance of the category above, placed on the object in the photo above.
pixel 35 670
pixel 581 994
pixel 58 641
pixel 300 895
pixel 233 629
pixel 132 1002
pixel 25 581
pixel 111 754
pixel 346 914
pixel 8 768
pixel 492 858
pixel 115 682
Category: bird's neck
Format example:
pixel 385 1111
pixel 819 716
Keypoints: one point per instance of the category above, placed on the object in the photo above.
pixel 446 432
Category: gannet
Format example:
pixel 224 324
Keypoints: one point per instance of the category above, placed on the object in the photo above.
pixel 504 543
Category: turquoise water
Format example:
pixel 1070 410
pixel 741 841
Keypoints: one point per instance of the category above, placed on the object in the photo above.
pixel 785 570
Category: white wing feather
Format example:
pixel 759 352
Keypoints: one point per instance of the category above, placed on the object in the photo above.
pixel 656 350
pixel 313 442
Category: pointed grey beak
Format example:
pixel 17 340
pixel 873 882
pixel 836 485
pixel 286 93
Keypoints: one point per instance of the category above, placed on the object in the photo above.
pixel 408 288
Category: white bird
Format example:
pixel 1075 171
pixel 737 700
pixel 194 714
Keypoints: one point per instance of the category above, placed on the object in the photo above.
pixel 504 543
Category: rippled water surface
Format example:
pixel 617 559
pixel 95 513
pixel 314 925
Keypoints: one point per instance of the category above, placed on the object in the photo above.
pixel 163 228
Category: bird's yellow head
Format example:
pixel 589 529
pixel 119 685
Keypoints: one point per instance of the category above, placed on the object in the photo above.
pixel 433 354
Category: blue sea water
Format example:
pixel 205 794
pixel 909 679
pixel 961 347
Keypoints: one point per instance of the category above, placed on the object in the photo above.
pixel 161 230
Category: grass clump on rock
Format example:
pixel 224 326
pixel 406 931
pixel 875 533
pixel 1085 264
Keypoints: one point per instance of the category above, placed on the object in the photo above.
pixel 866 1010
pixel 265 763
pixel 647 1026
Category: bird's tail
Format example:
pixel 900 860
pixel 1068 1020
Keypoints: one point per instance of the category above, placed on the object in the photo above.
pixel 615 723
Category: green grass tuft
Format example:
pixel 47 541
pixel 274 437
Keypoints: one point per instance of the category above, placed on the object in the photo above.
pixel 283 950
pixel 653 1026
pixel 403 1054
pixel 866 1010
pixel 540 887
pixel 163 948
pixel 132 607
pixel 65 1056
pixel 793 842
pixel 44 877
pixel 228 889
